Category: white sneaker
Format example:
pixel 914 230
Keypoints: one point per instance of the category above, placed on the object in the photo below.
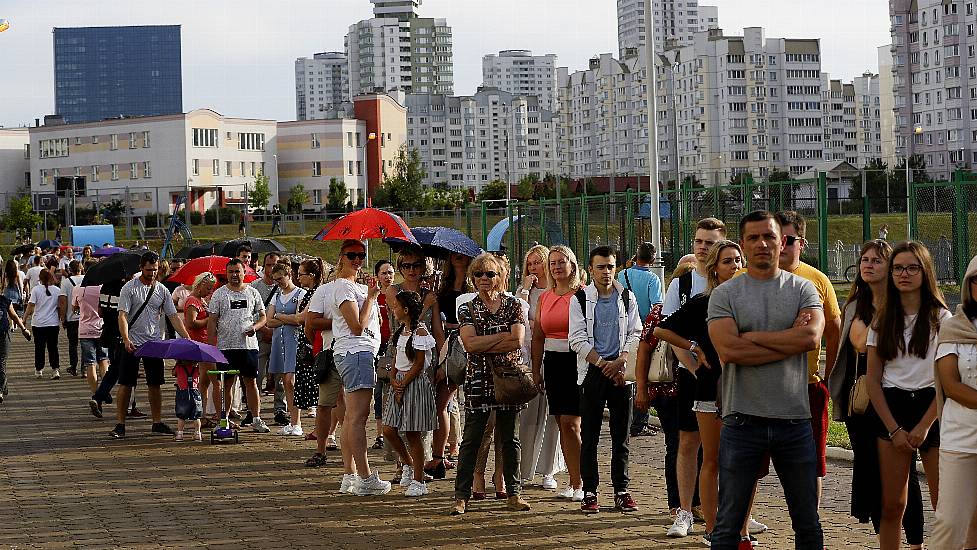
pixel 577 495
pixel 347 484
pixel 372 485
pixel 567 492
pixel 56 375
pixel 38 374
pixel 549 482
pixel 682 525
pixel 297 431
pixel 258 425
pixel 416 489
pixel 407 476
pixel 286 430
pixel 755 527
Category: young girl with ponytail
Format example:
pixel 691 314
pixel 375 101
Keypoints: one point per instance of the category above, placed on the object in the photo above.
pixel 410 403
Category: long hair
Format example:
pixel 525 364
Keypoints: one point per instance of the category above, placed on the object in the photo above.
pixel 861 292
pixel 10 276
pixel 575 272
pixel 46 278
pixel 314 268
pixel 412 302
pixel 712 261
pixel 543 255
pixel 890 322
pixel 448 281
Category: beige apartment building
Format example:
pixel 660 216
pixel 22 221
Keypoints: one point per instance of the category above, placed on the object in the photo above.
pixel 14 163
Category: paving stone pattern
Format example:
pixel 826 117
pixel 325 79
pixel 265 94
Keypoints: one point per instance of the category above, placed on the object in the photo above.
pixel 65 484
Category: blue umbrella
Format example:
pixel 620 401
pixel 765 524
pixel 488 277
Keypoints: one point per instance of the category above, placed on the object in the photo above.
pixel 181 349
pixel 48 243
pixel 498 232
pixel 437 241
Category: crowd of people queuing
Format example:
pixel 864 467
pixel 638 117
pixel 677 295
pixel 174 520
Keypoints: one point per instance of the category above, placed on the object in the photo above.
pixel 744 323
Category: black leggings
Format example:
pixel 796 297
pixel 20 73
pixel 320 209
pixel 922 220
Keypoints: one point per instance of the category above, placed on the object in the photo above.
pixel 46 336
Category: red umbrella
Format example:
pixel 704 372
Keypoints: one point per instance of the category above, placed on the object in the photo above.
pixel 214 264
pixel 369 223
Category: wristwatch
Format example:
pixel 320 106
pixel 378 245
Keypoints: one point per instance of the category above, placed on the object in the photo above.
pixel 694 346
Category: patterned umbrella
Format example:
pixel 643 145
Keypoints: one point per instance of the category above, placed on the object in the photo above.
pixel 437 242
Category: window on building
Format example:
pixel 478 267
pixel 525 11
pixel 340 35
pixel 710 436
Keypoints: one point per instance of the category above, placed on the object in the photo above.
pixel 95 172
pixel 227 168
pixel 316 168
pixel 195 167
pixel 114 143
pixel 145 139
pixel 315 141
pixel 147 171
pixel 251 141
pixel 132 140
pixel 205 137
pixel 216 167
pixel 115 171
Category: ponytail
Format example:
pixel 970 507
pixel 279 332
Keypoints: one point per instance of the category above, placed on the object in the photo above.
pixel 411 301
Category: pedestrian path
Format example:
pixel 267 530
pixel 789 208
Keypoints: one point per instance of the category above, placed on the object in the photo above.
pixel 64 484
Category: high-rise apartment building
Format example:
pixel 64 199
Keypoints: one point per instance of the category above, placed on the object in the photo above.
pixel 469 141
pixel 887 114
pixel 399 50
pixel 522 73
pixel 676 21
pixel 108 72
pixel 935 82
pixel 321 85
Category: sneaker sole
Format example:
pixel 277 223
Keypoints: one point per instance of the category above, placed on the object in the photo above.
pixel 96 411
pixel 371 492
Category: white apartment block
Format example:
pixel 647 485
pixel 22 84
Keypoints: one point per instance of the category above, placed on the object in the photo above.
pixel 469 141
pixel 522 73
pixel 321 84
pixel 935 82
pixel 676 21
pixel 157 159
pixel 14 164
pixel 398 50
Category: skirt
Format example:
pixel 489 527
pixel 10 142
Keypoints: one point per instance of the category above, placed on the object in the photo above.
pixel 416 412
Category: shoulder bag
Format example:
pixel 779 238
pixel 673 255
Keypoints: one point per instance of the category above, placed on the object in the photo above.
pixel 513 382
pixel 858 400
pixel 454 359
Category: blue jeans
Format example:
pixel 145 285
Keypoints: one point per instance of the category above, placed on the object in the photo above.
pixel 743 444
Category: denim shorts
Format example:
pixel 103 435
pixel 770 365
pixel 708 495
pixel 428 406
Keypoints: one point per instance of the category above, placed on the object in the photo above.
pixel 92 352
pixel 357 370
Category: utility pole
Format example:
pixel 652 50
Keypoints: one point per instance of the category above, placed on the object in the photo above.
pixel 654 191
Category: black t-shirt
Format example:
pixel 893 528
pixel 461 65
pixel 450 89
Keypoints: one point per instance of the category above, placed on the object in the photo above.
pixel 689 322
pixel 4 314
pixel 108 308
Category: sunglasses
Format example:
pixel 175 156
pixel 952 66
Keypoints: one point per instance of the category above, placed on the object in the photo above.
pixel 355 256
pixel 415 265
pixel 791 239
pixel 489 274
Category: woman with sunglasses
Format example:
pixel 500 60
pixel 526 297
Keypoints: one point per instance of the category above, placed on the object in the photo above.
pixel 901 353
pixel 356 333
pixel 688 333
pixel 864 300
pixel 492 324
pixel 283 318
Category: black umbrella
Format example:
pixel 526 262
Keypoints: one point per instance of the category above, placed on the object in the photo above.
pixel 23 249
pixel 211 248
pixel 258 246
pixel 114 268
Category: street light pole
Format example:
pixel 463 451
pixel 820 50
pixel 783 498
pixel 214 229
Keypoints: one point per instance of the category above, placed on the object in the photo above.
pixel 655 213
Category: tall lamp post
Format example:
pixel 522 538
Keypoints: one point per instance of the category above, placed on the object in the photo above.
pixel 917 131
pixel 372 136
pixel 654 191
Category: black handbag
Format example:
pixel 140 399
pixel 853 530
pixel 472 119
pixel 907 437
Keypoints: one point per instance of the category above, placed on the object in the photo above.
pixel 325 365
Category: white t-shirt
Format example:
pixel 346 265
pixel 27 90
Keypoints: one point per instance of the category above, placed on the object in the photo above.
pixel 45 307
pixel 318 304
pixel 34 275
pixel 419 343
pixel 66 288
pixel 671 303
pixel 908 372
pixel 236 311
pixel 346 342
pixel 958 425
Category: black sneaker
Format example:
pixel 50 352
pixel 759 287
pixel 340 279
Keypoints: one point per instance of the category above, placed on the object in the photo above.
pixel 281 418
pixel 247 419
pixel 119 432
pixel 95 407
pixel 108 400
pixel 73 371
pixel 162 428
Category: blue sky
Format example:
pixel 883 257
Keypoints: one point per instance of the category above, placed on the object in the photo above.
pixel 238 55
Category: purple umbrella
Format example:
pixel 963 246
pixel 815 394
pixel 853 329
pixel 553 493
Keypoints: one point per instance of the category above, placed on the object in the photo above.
pixel 181 349
pixel 108 250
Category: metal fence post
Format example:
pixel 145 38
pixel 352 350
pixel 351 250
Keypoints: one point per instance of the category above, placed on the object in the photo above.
pixel 822 220
pixel 961 218
pixel 585 225
pixel 866 210
pixel 912 232
pixel 747 193
pixel 512 245
pixel 484 226
pixel 629 224
pixel 542 222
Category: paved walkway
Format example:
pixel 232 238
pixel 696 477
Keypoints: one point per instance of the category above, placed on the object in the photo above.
pixel 64 484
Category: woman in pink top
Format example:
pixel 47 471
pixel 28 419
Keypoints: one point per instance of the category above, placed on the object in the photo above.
pixel 94 357
pixel 195 319
pixel 551 349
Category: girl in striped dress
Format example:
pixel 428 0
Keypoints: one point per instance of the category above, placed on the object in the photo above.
pixel 410 403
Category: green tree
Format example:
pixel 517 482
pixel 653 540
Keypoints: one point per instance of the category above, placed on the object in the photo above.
pixel 405 187
pixel 21 215
pixel 297 197
pixel 338 194
pixel 495 190
pixel 259 193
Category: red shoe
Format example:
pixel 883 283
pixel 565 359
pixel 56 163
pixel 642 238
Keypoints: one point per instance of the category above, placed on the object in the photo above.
pixel 478 495
pixel 625 503
pixel 589 505
pixel 136 413
pixel 501 495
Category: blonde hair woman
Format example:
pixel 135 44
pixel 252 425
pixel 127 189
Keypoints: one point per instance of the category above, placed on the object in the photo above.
pixel 195 319
pixel 551 348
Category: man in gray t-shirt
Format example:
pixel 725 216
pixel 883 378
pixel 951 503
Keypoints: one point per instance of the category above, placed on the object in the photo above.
pixel 762 324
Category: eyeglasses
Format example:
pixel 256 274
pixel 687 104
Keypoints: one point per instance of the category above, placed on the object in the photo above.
pixel 912 269
pixel 415 265
pixel 355 256
pixel 480 274
pixel 791 239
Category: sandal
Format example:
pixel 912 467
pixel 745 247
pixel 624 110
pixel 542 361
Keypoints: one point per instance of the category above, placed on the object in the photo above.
pixel 331 444
pixel 310 436
pixel 316 460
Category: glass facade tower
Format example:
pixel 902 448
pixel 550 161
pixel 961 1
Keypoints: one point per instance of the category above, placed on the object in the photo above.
pixel 107 72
